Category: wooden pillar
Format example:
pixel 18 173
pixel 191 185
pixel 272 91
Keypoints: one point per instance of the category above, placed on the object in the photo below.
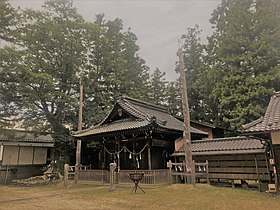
pixel 193 174
pixel 207 172
pixel 186 114
pixel 267 168
pixel 119 163
pixel 112 177
pixel 79 142
pixel 119 156
pixel 149 158
pixel 257 171
pixel 66 171
pixel 104 158
pixel 275 167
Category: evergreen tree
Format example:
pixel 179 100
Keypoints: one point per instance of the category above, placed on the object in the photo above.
pixel 113 68
pixel 39 77
pixel 157 94
pixel 9 20
pixel 174 100
pixel 243 54
pixel 196 77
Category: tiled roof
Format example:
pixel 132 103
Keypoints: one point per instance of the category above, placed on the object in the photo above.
pixel 142 114
pixel 122 125
pixel 148 111
pixel 271 119
pixel 24 136
pixel 230 145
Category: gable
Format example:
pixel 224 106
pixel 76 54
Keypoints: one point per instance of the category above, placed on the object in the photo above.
pixel 271 119
pixel 117 114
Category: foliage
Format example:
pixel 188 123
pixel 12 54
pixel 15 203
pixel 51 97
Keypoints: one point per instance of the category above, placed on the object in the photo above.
pixel 157 93
pixel 243 56
pixel 113 68
pixel 9 20
pixel 55 48
pixel 174 100
pixel 196 75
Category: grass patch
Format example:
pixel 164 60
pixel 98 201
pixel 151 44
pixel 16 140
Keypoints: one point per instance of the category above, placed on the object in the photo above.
pixel 93 196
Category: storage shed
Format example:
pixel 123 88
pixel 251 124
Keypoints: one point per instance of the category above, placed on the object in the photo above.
pixel 268 127
pixel 232 158
pixel 23 154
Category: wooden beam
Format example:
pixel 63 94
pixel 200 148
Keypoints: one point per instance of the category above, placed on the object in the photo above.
pixel 186 114
pixel 257 171
pixel 79 142
pixel 149 158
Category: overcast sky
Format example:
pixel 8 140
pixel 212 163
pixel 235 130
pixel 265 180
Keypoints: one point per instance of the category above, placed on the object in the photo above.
pixel 158 24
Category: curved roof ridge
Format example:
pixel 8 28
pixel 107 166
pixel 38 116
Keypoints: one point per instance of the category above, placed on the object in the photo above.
pixel 145 104
pixel 250 124
pixel 222 139
pixel 127 105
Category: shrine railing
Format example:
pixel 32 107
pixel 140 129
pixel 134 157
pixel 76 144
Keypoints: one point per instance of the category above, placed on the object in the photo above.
pixel 160 176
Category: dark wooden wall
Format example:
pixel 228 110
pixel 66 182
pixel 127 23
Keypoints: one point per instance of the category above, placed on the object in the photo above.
pixel 237 167
pixel 7 174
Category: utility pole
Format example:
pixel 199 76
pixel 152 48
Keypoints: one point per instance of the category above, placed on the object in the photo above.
pixel 186 113
pixel 79 141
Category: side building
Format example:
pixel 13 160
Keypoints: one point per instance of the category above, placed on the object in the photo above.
pixel 23 154
pixel 268 127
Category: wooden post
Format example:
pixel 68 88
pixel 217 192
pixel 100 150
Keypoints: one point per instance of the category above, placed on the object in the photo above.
pixel 267 168
pixel 118 156
pixel 79 142
pixel 185 105
pixel 149 158
pixel 7 170
pixel 207 172
pixel 119 163
pixel 276 168
pixel 1 157
pixel 66 171
pixel 169 165
pixel 257 170
pixel 112 177
pixel 193 174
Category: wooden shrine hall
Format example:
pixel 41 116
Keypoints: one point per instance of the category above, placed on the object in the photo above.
pixel 136 135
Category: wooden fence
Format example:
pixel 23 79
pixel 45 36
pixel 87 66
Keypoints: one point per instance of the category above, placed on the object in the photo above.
pixel 201 171
pixel 160 176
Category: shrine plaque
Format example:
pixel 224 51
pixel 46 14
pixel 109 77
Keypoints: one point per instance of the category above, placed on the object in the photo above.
pixel 158 143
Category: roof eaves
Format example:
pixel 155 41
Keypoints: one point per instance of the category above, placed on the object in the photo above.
pixel 145 104
pixel 128 107
pixel 253 123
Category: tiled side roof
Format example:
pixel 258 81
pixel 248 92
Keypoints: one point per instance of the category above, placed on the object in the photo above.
pixel 120 126
pixel 24 136
pixel 271 119
pixel 231 145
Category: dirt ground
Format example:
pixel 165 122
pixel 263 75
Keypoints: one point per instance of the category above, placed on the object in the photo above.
pixel 89 195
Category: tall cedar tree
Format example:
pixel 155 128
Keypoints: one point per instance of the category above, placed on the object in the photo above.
pixel 113 68
pixel 157 94
pixel 243 54
pixel 196 75
pixel 173 98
